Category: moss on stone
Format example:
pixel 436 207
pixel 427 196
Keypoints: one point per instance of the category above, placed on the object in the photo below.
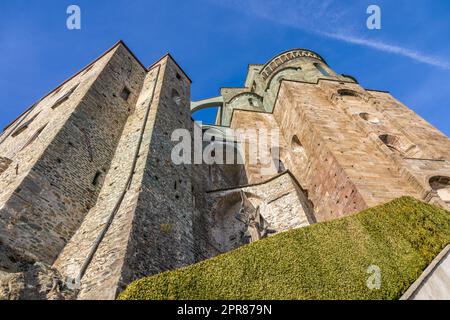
pixel 324 261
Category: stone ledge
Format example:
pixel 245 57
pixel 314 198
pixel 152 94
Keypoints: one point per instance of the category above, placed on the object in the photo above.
pixel 412 292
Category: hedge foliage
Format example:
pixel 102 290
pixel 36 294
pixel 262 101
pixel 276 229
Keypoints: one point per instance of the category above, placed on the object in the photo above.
pixel 324 261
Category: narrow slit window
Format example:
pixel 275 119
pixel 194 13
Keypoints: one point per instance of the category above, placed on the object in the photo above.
pixel 24 126
pixel 34 137
pixel 97 177
pixel 64 98
pixel 176 97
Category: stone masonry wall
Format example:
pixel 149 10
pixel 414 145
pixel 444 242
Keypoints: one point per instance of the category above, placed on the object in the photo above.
pixel 162 230
pixel 89 191
pixel 282 203
pixel 4 164
pixel 104 271
pixel 43 198
pixel 152 230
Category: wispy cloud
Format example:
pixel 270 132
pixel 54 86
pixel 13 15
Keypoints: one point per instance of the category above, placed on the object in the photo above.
pixel 389 48
pixel 325 18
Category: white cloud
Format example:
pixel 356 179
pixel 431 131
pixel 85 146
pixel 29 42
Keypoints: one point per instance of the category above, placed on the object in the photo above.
pixel 389 48
pixel 325 18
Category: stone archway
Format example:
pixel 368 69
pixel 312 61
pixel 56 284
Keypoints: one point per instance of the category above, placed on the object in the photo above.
pixel 441 185
pixel 227 232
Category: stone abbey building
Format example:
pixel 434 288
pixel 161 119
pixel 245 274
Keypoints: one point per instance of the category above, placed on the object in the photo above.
pixel 89 195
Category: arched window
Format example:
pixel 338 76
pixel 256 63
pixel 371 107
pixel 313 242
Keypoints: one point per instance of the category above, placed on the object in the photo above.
pixel 400 146
pixel 441 185
pixel 369 118
pixel 125 94
pixel 176 97
pixel 392 142
pixel 321 69
pixel 348 93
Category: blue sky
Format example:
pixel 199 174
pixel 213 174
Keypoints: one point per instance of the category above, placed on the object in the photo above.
pixel 214 40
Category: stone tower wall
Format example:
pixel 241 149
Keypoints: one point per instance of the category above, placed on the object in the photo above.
pixel 48 187
pixel 152 229
pixel 364 166
pixel 162 230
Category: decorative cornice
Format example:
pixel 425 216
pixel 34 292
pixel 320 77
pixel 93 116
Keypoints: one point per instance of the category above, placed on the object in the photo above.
pixel 284 57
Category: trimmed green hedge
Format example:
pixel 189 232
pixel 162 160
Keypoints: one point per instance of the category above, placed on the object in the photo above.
pixel 324 261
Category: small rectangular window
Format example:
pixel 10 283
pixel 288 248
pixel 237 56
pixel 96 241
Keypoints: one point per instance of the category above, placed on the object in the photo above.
pixel 34 137
pixel 64 98
pixel 125 94
pixel 24 126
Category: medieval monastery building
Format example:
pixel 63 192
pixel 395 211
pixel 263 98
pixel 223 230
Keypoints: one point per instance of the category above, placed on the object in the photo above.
pixel 88 189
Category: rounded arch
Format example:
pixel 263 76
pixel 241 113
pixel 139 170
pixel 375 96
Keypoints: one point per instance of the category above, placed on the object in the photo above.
pixel 400 145
pixel 249 94
pixel 176 97
pixel 348 93
pixel 369 118
pixel 269 82
pixel 216 102
pixel 285 57
pixel 228 232
pixel 4 164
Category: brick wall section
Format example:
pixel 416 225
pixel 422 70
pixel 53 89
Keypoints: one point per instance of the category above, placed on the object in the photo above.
pixel 362 163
